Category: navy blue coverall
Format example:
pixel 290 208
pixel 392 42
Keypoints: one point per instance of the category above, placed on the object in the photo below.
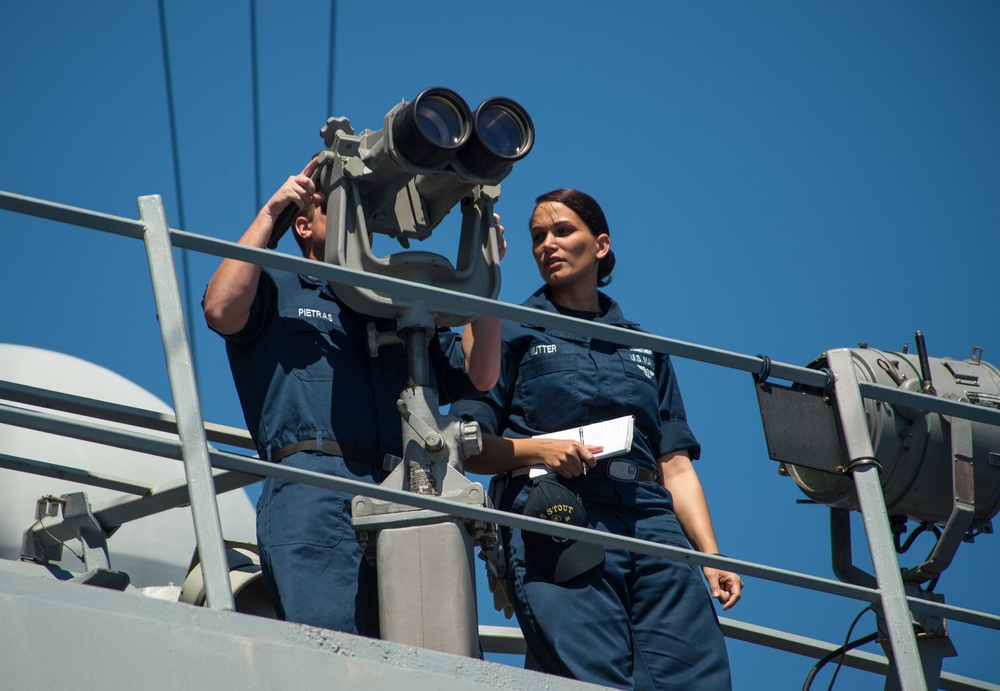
pixel 638 622
pixel 303 372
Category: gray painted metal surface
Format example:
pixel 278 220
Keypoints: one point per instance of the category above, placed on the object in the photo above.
pixel 190 429
pixel 109 640
pixel 858 445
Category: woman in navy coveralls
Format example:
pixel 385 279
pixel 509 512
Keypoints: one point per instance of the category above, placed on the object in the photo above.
pixel 638 621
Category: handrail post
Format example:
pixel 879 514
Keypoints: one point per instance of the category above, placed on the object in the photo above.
pixel 905 656
pixel 187 407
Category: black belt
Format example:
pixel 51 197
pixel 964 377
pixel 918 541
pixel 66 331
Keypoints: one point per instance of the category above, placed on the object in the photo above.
pixel 332 448
pixel 613 468
pixel 626 471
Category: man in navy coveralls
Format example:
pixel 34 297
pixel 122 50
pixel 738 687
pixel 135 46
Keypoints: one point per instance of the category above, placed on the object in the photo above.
pixel 314 399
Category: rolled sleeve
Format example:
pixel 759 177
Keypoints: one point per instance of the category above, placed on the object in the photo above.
pixel 677 436
pixel 481 411
pixel 492 409
pixel 675 433
pixel 449 367
pixel 261 309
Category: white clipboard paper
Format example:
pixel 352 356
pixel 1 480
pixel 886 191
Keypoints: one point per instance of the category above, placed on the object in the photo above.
pixel 614 435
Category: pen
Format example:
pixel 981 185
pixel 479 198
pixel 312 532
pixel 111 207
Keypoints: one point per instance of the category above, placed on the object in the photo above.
pixel 582 462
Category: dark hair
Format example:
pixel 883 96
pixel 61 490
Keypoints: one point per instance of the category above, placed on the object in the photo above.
pixel 590 212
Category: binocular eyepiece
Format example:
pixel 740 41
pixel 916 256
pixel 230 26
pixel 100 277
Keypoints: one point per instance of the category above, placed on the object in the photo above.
pixel 438 127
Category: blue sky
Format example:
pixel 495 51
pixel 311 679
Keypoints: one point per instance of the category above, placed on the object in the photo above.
pixel 779 177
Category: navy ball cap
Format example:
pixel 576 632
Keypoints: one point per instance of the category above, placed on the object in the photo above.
pixel 558 559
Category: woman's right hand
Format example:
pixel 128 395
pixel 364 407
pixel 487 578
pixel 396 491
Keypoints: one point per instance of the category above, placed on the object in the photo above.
pixel 564 457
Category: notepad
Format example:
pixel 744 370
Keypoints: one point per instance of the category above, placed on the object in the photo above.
pixel 614 435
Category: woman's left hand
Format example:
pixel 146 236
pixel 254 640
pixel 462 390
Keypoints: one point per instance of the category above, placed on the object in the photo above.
pixel 501 242
pixel 725 586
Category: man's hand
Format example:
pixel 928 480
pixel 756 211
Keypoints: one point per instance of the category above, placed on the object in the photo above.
pixel 298 189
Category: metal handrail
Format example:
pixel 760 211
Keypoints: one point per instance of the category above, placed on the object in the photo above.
pixel 471 303
pixel 244 470
pixel 250 470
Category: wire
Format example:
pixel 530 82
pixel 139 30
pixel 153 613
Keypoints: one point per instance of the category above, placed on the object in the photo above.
pixel 905 546
pixel 902 549
pixel 841 651
pixel 255 81
pixel 178 190
pixel 333 43
pixel 258 202
pixel 62 542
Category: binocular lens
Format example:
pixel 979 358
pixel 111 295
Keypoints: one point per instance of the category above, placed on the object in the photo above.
pixel 501 131
pixel 437 126
pixel 429 130
pixel 503 134
pixel 440 122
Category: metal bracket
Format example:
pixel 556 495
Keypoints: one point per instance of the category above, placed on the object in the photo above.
pixel 843 561
pixel 933 641
pixel 41 545
pixel 785 412
pixel 431 438
pixel 963 509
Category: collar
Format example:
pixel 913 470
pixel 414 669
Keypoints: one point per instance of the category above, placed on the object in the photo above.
pixel 611 312
pixel 326 291
pixel 312 283
pixel 322 288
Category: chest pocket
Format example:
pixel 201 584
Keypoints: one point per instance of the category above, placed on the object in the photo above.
pixel 638 364
pixel 549 391
pixel 640 372
pixel 310 344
